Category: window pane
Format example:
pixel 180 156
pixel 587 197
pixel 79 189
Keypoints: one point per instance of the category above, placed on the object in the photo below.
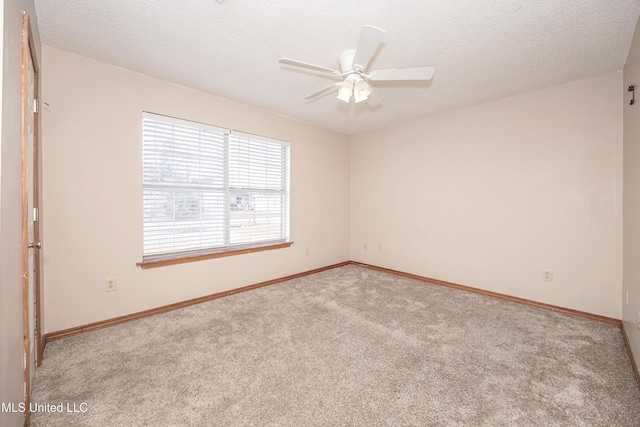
pixel 258 218
pixel 179 155
pixel 256 164
pixel 182 220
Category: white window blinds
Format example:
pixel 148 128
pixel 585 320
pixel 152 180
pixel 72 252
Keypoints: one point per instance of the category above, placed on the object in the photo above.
pixel 208 189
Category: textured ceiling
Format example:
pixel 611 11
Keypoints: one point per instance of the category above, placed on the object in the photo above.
pixel 481 50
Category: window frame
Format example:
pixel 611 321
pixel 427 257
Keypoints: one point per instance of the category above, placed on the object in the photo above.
pixel 230 136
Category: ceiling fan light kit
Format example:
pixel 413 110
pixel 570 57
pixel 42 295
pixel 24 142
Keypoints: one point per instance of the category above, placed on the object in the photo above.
pixel 355 86
pixel 353 65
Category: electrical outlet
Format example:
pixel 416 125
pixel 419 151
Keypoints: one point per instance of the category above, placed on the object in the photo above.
pixel 306 252
pixel 547 275
pixel 627 297
pixel 365 246
pixel 110 285
pixel 380 247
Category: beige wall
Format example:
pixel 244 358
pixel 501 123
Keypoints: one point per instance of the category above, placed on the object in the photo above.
pixel 631 251
pixel 488 196
pixel 11 307
pixel 491 195
pixel 93 195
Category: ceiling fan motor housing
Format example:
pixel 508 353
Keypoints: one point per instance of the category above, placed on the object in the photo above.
pixel 346 60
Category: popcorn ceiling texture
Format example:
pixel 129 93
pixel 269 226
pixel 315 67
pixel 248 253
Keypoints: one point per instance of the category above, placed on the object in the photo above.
pixel 482 50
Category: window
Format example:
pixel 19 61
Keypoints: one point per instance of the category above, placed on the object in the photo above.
pixel 209 190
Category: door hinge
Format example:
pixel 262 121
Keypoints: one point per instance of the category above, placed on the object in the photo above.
pixel 35 105
pixel 37 322
pixel 35 214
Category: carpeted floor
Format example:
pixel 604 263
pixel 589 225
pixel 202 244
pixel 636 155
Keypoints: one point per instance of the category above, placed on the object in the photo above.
pixel 345 347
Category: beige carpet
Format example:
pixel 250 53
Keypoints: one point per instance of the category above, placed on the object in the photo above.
pixel 349 346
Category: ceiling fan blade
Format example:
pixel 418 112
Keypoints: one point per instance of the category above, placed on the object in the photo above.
pixel 419 73
pixel 370 40
pixel 321 91
pixel 296 63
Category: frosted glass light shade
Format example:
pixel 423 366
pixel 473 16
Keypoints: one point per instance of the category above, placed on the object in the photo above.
pixel 361 91
pixel 345 91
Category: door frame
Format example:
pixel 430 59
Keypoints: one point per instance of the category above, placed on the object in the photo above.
pixel 28 50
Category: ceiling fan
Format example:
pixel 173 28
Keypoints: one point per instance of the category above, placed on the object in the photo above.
pixel 356 80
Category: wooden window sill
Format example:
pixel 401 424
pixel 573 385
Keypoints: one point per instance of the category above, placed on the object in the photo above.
pixel 200 257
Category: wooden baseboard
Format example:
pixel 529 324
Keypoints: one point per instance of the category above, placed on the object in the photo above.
pixel 627 344
pixel 142 314
pixel 53 336
pixel 568 311
pixel 139 315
